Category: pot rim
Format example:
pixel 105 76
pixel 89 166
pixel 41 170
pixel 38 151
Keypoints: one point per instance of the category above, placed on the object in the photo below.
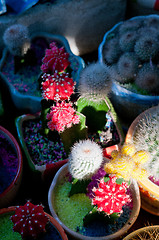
pixel 140 230
pixel 51 219
pixel 20 161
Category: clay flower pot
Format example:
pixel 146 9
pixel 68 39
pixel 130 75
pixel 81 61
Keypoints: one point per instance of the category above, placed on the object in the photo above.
pixel 128 95
pixel 60 176
pixel 8 212
pixel 24 87
pixel 10 151
pixel 44 170
pixel 149 190
pixel 149 232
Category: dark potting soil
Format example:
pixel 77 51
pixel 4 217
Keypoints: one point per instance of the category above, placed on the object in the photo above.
pixel 8 163
pixel 42 150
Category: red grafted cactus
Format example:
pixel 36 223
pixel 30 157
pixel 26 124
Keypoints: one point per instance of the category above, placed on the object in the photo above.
pixel 29 220
pixel 62 116
pixel 55 59
pixel 109 196
pixel 57 86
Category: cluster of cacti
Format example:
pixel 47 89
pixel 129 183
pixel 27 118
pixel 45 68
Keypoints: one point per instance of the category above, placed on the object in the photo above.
pixel 29 220
pixel 131 50
pixel 128 163
pixel 146 137
pixel 85 159
pixel 17 40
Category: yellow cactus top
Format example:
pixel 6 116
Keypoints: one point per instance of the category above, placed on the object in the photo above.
pixel 128 163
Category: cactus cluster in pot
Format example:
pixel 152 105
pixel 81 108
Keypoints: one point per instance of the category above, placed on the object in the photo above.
pixel 132 52
pixel 143 133
pixel 100 203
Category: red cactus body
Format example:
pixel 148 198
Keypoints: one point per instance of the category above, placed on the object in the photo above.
pixel 57 86
pixel 62 115
pixel 29 220
pixel 110 196
pixel 55 59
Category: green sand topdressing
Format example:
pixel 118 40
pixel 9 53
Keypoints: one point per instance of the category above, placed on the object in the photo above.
pixel 6 229
pixel 75 208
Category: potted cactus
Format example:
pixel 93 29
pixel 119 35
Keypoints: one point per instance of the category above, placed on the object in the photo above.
pixel 21 62
pixel 11 166
pixel 130 49
pixel 58 125
pixel 143 134
pixel 102 205
pixel 29 222
pixel 67 112
pixel 149 232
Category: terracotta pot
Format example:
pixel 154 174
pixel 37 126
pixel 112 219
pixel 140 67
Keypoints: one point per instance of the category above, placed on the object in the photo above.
pixel 46 171
pixel 142 231
pixel 149 191
pixel 29 103
pixel 134 214
pixel 9 210
pixel 11 191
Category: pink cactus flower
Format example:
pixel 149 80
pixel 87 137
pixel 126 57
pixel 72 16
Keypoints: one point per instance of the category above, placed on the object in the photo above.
pixel 57 86
pixel 62 116
pixel 110 196
pixel 29 220
pixel 55 59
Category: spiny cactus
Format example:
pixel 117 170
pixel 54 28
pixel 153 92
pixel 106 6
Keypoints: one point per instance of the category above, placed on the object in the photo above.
pixel 56 58
pixel 16 38
pixel 128 162
pixel 85 159
pixel 148 78
pixel 57 86
pixel 131 25
pixel 128 66
pixel 111 51
pixel 29 220
pixel 94 81
pixel 127 41
pixel 146 47
pixel 146 137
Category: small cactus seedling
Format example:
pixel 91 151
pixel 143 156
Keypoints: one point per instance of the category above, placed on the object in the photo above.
pixel 29 220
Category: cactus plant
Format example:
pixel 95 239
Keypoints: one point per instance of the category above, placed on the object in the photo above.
pixel 58 112
pixel 85 159
pixel 128 162
pixel 94 88
pixel 16 38
pixel 29 220
pixel 146 137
